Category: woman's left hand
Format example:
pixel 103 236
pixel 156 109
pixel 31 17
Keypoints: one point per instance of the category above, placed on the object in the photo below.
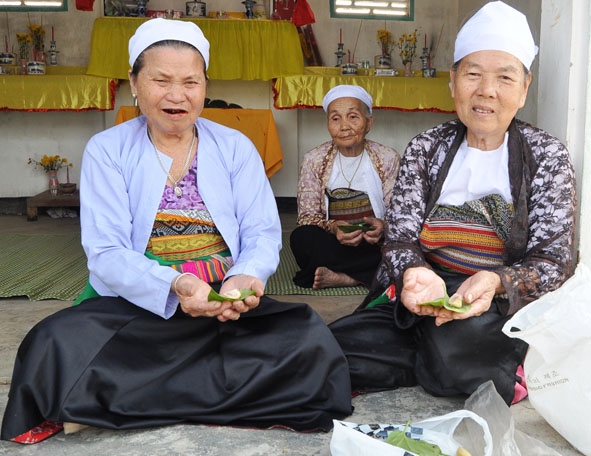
pixel 240 282
pixel 373 236
pixel 477 290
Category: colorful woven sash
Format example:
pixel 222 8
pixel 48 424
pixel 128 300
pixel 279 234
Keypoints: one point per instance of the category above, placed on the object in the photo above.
pixel 188 241
pixel 467 238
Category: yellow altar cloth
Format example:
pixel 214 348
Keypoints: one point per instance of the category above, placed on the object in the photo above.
pixel 388 92
pixel 257 124
pixel 240 49
pixel 60 89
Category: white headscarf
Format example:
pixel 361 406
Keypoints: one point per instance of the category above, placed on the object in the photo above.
pixel 159 29
pixel 497 27
pixel 346 91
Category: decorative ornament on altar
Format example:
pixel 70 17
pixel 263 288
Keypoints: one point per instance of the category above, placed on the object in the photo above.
pixel 407 45
pixel 51 164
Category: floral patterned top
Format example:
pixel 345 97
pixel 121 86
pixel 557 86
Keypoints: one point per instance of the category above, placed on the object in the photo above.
pixel 315 174
pixel 538 255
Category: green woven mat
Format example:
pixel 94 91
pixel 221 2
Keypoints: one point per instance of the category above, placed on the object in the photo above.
pixel 54 267
pixel 42 266
pixel 281 282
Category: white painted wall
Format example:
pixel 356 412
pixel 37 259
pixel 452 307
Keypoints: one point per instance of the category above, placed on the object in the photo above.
pixel 564 90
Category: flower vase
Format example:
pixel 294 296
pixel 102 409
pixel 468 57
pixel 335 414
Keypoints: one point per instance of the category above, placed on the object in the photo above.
pixel 407 69
pixel 54 184
pixel 383 61
pixel 37 65
pixel 22 66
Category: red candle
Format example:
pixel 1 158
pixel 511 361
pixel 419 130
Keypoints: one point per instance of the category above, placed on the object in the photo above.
pixel 340 35
pixel 52 37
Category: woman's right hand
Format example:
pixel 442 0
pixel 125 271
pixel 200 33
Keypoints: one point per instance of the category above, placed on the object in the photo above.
pixel 193 293
pixel 420 285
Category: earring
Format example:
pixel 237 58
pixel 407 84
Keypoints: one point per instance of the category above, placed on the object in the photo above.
pixel 134 96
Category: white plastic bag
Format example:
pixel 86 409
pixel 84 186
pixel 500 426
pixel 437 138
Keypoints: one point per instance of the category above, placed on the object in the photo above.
pixel 350 439
pixel 557 328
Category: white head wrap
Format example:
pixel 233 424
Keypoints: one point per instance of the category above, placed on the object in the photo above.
pixel 497 27
pixel 159 29
pixel 342 91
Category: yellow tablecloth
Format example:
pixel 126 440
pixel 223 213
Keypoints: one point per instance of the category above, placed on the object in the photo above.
pixel 61 89
pixel 388 92
pixel 240 49
pixel 257 124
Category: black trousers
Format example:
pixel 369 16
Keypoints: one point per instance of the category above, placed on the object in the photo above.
pixel 313 247
pixel 388 347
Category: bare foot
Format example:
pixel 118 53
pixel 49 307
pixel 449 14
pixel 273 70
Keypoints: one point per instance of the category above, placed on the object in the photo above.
pixel 325 278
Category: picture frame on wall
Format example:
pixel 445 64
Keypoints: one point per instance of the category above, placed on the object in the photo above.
pixel 120 8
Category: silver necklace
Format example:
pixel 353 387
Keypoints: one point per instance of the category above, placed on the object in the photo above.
pixel 356 169
pixel 178 191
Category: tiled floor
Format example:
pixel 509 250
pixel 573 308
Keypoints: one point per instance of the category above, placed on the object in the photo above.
pixel 18 315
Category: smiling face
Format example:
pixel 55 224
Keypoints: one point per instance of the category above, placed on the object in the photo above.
pixel 348 123
pixel 488 89
pixel 170 86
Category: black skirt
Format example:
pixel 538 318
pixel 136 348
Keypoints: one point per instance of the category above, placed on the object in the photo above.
pixel 313 247
pixel 110 364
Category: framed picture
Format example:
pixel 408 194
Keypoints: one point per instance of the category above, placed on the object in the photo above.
pixel 120 7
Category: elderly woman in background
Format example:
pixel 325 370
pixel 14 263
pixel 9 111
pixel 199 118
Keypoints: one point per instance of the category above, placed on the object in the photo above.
pixel 173 207
pixel 343 182
pixel 483 211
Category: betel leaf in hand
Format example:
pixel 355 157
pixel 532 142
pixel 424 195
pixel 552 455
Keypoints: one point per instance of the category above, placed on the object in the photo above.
pixel 420 447
pixel 355 227
pixel 232 295
pixel 455 306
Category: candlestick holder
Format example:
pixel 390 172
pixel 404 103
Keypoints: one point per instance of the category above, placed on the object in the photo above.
pixel 53 52
pixel 425 59
pixel 249 6
pixel 340 53
pixel 428 72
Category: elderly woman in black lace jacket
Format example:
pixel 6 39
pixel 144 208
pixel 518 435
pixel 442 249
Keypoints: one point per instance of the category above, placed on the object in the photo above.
pixel 483 213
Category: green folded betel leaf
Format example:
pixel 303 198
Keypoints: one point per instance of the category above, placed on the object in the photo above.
pixel 419 447
pixel 457 306
pixel 355 227
pixel 232 295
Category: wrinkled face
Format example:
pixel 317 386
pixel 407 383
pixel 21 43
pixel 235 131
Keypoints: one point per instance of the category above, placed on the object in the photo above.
pixel 348 123
pixel 488 89
pixel 170 87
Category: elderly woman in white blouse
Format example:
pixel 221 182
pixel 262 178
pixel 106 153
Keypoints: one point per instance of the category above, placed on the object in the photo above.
pixel 344 187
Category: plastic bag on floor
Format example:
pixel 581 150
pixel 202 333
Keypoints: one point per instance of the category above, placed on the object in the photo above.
pixel 506 440
pixel 485 427
pixel 350 439
pixel 557 328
